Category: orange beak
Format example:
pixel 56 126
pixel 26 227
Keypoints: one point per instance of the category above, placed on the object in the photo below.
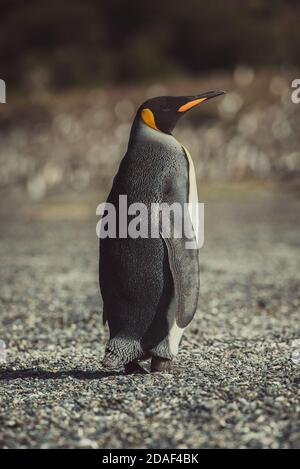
pixel 195 100
pixel 191 104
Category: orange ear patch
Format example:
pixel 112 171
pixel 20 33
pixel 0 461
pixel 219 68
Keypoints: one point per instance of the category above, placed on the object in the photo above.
pixel 191 104
pixel 148 118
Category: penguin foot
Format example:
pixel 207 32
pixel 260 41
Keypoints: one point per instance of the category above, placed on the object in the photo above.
pixel 134 368
pixel 164 365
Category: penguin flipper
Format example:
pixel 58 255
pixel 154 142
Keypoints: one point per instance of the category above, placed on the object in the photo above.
pixel 104 316
pixel 185 269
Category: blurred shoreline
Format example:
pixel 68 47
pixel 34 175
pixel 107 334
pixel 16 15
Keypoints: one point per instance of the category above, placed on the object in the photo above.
pixel 73 142
pixel 69 206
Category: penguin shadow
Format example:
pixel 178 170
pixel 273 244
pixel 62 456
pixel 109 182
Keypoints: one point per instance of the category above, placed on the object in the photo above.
pixel 41 374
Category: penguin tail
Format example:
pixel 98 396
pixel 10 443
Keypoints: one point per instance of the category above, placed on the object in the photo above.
pixel 120 351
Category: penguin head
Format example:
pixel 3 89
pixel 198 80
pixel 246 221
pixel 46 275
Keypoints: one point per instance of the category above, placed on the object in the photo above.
pixel 163 112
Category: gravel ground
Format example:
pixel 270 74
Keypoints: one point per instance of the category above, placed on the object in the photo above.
pixel 236 382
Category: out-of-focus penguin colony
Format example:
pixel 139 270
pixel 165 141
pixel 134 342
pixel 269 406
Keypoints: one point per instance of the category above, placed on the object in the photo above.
pixel 54 142
pixel 73 87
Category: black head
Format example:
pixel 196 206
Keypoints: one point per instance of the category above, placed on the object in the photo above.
pixel 162 113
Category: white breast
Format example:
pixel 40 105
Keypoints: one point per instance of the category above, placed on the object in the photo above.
pixel 193 194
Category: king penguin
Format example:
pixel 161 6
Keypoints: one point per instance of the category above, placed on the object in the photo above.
pixel 150 286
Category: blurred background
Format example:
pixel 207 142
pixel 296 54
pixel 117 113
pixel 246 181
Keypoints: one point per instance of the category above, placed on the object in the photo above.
pixel 76 73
